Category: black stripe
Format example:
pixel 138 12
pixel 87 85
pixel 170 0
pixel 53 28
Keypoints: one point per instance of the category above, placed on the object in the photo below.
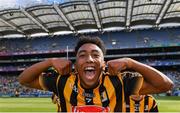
pixel 127 103
pixel 154 109
pixel 61 86
pixel 88 95
pixel 102 89
pixel 153 103
pixel 74 94
pixel 127 94
pixel 118 89
pixel 137 106
pixel 146 102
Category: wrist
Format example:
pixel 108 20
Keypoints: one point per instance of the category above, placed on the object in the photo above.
pixel 49 62
pixel 135 65
pixel 129 63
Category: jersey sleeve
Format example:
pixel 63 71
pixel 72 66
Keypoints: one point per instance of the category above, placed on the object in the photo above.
pixel 154 109
pixel 48 80
pixel 132 83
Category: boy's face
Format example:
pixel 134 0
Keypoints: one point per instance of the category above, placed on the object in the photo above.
pixel 89 65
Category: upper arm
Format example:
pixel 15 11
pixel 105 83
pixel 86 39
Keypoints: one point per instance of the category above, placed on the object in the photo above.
pixel 35 83
pixel 148 89
pixel 32 82
pixel 46 80
pixel 134 83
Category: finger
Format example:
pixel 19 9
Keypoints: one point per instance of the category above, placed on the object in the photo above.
pixel 57 68
pixel 60 71
pixel 66 69
pixel 110 70
pixel 121 68
pixel 70 67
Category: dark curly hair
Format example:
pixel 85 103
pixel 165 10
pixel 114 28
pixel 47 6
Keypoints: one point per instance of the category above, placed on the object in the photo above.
pixel 88 39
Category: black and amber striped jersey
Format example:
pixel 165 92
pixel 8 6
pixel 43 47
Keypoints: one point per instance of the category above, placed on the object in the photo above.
pixel 109 95
pixel 146 104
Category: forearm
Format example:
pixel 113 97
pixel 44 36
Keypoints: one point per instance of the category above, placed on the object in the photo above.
pixel 152 77
pixel 32 73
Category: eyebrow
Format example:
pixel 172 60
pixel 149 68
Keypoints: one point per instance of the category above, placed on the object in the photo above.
pixel 81 51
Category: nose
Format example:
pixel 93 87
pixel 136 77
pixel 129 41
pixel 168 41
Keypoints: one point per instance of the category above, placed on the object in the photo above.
pixel 89 59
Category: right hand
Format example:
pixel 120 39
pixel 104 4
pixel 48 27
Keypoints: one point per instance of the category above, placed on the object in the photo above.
pixel 63 66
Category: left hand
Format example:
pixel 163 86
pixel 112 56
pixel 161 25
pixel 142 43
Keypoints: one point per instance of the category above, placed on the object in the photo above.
pixel 118 65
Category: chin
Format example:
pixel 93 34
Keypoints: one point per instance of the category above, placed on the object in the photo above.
pixel 91 85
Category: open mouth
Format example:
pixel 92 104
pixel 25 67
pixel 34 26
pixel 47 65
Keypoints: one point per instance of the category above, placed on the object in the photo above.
pixel 89 72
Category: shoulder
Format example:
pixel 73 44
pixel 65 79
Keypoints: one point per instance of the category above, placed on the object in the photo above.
pixel 70 78
pixel 129 74
pixel 107 75
pixel 149 96
pixel 112 79
pixel 51 71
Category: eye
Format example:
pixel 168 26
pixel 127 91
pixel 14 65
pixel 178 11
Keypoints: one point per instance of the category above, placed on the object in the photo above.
pixel 81 55
pixel 96 55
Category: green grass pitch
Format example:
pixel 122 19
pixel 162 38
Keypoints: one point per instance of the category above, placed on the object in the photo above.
pixel 165 104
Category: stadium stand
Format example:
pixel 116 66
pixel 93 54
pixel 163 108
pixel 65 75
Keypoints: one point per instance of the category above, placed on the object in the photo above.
pixel 156 48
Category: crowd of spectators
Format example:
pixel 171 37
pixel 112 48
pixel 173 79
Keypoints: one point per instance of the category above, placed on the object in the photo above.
pixel 174 75
pixel 161 62
pixel 38 44
pixel 113 40
pixel 10 87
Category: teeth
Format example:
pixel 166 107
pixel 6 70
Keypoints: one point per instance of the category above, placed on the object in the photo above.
pixel 89 68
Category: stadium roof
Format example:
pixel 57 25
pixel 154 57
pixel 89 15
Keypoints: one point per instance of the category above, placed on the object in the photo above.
pixel 99 15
